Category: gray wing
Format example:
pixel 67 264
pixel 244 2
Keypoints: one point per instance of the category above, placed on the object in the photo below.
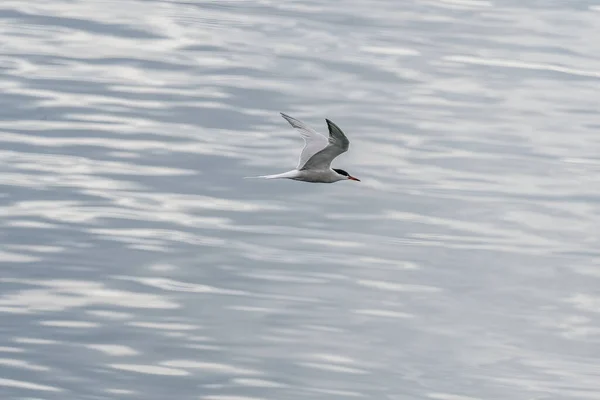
pixel 313 140
pixel 338 144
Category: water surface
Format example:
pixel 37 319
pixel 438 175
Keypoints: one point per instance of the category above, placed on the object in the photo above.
pixel 138 264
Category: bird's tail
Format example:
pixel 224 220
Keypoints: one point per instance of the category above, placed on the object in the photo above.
pixel 288 175
pixel 263 177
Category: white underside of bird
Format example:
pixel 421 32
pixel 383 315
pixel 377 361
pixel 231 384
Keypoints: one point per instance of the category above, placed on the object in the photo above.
pixel 315 160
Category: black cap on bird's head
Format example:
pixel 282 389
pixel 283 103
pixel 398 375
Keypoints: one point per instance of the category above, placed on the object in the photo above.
pixel 347 175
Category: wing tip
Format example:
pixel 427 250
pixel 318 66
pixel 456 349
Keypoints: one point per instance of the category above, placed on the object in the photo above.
pixel 294 122
pixel 337 134
pixel 331 124
pixel 291 120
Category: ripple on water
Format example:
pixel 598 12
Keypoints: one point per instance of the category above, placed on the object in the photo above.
pixel 22 364
pixel 137 263
pixel 113 349
pixel 12 383
pixel 150 369
pixel 398 287
pixel 59 295
pixel 214 368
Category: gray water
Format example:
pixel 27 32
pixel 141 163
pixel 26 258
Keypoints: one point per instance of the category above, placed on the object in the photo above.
pixel 136 263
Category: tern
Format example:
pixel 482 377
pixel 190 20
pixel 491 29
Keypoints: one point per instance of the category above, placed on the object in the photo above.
pixel 315 160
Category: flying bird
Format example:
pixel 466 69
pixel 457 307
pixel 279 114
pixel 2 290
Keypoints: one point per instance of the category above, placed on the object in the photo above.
pixel 315 160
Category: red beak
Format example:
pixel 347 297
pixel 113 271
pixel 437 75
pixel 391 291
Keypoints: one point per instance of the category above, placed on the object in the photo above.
pixel 353 179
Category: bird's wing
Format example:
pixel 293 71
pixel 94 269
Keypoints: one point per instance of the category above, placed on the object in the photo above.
pixel 338 144
pixel 314 142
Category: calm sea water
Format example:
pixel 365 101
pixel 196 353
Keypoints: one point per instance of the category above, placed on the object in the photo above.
pixel 136 263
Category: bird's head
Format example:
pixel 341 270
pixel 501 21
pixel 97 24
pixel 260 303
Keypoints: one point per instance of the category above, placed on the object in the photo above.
pixel 345 174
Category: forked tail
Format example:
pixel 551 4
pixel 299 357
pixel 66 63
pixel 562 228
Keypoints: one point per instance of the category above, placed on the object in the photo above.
pixel 261 177
pixel 288 175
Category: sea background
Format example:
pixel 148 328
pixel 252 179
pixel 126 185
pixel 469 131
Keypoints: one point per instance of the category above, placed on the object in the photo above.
pixel 137 263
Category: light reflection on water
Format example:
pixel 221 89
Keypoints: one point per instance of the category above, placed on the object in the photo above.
pixel 137 263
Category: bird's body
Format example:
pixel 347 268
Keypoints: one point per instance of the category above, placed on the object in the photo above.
pixel 313 176
pixel 315 160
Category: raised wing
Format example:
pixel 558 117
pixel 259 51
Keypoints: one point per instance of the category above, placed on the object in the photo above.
pixel 314 142
pixel 338 144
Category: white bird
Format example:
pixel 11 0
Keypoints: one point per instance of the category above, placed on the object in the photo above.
pixel 315 160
